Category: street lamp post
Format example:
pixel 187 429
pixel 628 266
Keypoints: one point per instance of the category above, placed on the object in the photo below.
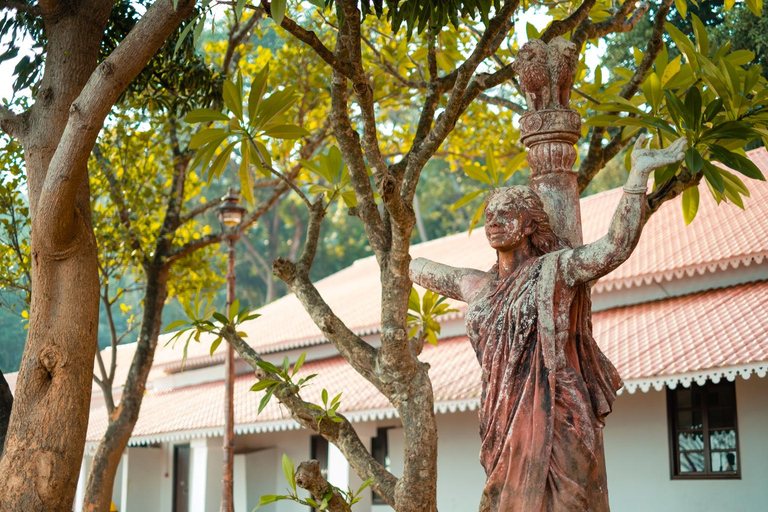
pixel 230 214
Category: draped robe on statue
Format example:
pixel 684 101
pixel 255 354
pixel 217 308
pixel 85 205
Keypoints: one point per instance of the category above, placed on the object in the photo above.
pixel 547 388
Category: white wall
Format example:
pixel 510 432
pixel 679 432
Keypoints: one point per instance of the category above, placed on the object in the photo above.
pixel 460 477
pixel 144 480
pixel 254 476
pixel 637 457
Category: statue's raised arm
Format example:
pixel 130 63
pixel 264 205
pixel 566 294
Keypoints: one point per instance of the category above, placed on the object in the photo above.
pixel 597 259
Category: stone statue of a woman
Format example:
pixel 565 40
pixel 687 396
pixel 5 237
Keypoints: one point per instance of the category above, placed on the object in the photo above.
pixel 547 387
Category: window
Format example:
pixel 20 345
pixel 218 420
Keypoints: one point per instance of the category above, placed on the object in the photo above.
pixel 703 431
pixel 380 452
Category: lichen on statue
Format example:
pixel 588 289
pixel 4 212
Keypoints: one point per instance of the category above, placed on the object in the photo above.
pixel 547 387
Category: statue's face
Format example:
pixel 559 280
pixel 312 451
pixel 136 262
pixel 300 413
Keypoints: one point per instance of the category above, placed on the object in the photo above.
pixel 503 225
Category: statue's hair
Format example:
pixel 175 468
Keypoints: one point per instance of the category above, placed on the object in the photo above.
pixel 530 209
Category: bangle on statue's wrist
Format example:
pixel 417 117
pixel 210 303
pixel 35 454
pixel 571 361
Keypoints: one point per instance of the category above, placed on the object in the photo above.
pixel 635 189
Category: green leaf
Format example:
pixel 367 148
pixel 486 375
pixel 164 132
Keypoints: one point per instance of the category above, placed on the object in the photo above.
pixel 246 179
pixel 652 90
pixel 207 136
pixel 756 6
pixel 531 31
pixel 286 131
pixel 288 470
pixel 683 43
pixel 232 99
pixel 693 160
pixel 713 108
pixel 258 88
pixel 736 162
pixel 277 8
pixel 221 318
pixel 176 324
pixel 690 203
pixel 324 396
pixel 264 384
pixel 233 309
pixel 239 9
pixel 184 33
pixel 220 162
pixel 682 7
pixel 476 217
pixel 712 174
pixel 215 344
pixel 693 106
pixel 299 363
pixel 414 303
pixel 268 367
pixel 265 399
pixel 702 39
pixel 277 103
pixel 269 498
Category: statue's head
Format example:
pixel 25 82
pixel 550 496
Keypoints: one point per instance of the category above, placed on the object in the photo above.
pixel 513 214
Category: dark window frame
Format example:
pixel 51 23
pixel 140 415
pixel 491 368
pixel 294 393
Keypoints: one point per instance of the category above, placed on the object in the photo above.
pixel 705 407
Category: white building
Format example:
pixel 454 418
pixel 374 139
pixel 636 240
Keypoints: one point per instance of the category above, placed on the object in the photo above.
pixel 685 321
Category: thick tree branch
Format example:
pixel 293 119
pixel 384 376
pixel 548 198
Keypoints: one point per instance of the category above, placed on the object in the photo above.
pixel 669 190
pixel 560 27
pixel 11 123
pixel 296 276
pixel 387 186
pixel 88 111
pixel 310 39
pixel 349 145
pixel 343 434
pixel 309 478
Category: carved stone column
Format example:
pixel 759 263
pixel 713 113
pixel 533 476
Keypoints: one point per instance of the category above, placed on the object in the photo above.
pixel 550 129
pixel 550 136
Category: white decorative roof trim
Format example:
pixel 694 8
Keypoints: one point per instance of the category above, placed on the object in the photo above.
pixel 700 377
pixel 712 267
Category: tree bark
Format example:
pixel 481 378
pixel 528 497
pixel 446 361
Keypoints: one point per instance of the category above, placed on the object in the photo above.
pixel 46 432
pixel 98 491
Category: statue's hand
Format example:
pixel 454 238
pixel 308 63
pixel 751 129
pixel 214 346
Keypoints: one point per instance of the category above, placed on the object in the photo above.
pixel 646 160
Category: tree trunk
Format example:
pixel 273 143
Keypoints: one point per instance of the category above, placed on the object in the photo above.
pixel 98 491
pixel 46 433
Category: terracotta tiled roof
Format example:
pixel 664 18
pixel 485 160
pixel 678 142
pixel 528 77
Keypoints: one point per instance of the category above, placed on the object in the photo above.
pixel 720 235
pixel 717 328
